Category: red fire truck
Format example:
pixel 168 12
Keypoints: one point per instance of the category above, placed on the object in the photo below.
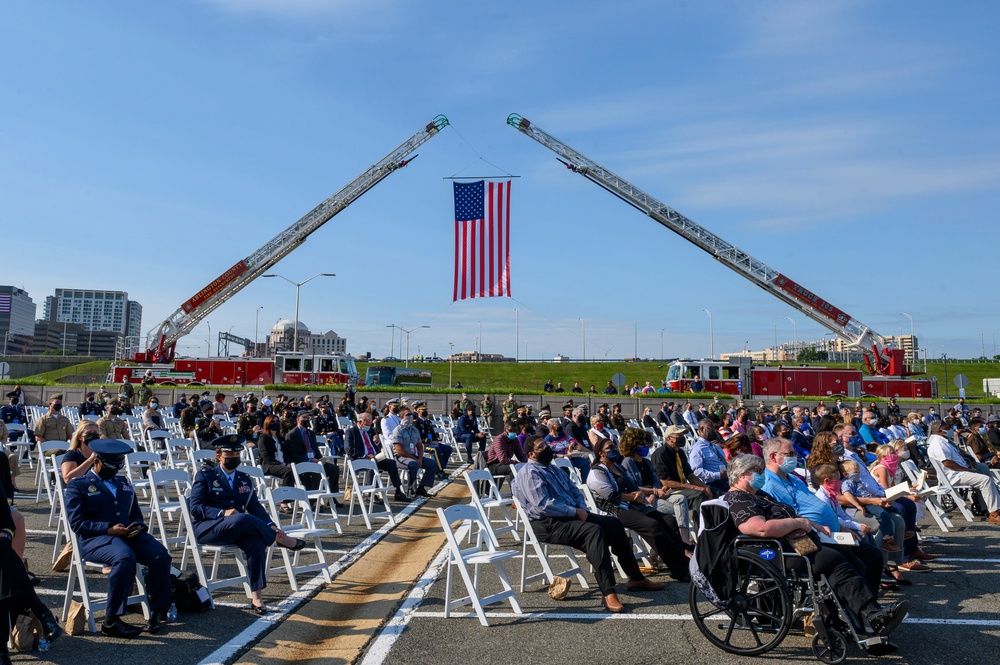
pixel 295 369
pixel 735 378
pixel 884 365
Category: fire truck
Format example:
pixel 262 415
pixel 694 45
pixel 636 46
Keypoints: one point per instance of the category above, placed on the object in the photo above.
pixel 291 368
pixel 297 369
pixel 886 374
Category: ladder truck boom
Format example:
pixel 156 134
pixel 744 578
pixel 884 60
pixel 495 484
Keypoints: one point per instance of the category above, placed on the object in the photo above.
pixel 877 357
pixel 162 340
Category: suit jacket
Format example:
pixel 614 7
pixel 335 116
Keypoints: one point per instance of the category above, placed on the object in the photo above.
pixel 92 509
pixel 211 497
pixel 294 447
pixel 664 461
pixel 466 427
pixel 354 443
pixel 267 445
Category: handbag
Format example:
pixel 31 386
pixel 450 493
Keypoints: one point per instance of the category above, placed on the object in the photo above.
pixel 802 543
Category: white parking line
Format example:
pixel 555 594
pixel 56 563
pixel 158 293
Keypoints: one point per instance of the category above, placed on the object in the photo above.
pixel 251 633
pixel 960 560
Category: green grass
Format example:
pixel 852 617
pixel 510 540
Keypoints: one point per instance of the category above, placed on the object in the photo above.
pixel 528 378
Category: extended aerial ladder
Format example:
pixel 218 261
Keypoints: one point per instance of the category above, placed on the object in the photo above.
pixel 162 340
pixel 879 359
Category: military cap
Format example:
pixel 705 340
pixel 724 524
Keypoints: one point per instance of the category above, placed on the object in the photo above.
pixel 182 396
pixel 568 406
pixel 394 400
pixel 110 449
pixel 420 405
pixel 12 393
pixel 57 396
pixel 544 413
pixel 604 406
pixel 90 394
pixel 208 408
pixel 229 442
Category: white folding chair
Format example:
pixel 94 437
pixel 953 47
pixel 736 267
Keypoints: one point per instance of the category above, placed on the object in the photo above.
pixel 17 442
pixel 166 485
pixel 137 468
pixel 322 496
pixel 299 524
pixel 78 578
pixel 152 436
pixel 259 480
pixel 44 471
pixel 55 513
pixel 211 581
pixel 484 552
pixel 179 454
pixel 564 463
pixel 930 500
pixel 639 547
pixel 371 490
pixel 953 490
pixel 486 501
pixel 541 553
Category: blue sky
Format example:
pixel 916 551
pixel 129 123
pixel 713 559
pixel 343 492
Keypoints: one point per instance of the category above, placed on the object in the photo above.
pixel 854 146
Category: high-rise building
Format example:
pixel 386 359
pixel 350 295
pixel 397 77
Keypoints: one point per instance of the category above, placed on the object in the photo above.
pixel 17 320
pixel 109 311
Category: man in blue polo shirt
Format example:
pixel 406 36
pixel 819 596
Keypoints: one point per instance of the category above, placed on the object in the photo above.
pixel 781 482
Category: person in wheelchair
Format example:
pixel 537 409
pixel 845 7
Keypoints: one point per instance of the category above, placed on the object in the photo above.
pixel 755 513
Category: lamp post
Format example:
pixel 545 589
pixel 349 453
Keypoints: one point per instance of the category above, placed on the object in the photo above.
pixel 711 335
pixel 795 337
pixel 404 330
pixel 392 338
pixel 6 336
pixel 661 343
pixel 584 325
pixel 208 342
pixel 635 340
pixel 298 285
pixel 256 329
pixel 451 360
pixel 478 339
pixel 913 339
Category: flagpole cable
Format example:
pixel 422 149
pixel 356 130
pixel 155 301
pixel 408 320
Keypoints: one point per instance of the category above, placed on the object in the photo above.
pixel 481 158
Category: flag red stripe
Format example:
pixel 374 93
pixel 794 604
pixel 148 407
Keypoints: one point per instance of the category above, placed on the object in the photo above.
pixel 465 258
pixel 492 263
pixel 507 224
pixel 454 295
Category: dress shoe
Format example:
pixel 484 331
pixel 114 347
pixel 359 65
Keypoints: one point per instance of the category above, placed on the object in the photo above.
pixel 886 619
pixel 611 603
pixel 399 496
pixel 915 567
pixel 118 628
pixel 295 546
pixel 994 517
pixel 259 610
pixel 50 627
pixel 645 585
pixel 923 556
pixel 157 620
pixel 421 491
pixel 889 545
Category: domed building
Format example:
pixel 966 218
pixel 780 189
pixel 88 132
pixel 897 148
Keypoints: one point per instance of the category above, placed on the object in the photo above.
pixel 282 335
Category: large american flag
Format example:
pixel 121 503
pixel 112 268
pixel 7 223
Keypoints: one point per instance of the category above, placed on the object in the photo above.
pixel 482 240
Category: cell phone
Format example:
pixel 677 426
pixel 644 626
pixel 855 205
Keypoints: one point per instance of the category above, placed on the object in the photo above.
pixel 137 527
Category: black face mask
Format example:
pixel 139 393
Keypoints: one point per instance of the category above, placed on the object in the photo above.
pixel 545 456
pixel 108 470
pixel 57 406
pixel 13 400
pixel 92 436
pixel 230 463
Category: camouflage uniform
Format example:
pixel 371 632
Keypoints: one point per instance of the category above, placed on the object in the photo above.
pixel 509 409
pixel 112 427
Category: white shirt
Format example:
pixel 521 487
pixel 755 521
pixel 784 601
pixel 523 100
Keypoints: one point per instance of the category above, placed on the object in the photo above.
pixel 940 449
pixel 691 419
pixel 389 423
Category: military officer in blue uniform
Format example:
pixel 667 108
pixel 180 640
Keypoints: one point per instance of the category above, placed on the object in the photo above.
pixel 105 515
pixel 225 511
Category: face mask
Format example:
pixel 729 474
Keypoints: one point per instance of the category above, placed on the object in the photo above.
pixel 612 454
pixel 91 436
pixel 768 418
pixel 832 487
pixel 931 412
pixel 642 450
pixel 154 405
pixel 856 441
pixel 822 413
pixel 599 424
pixel 904 454
pixel 789 464
pixel 108 470
pixel 116 411
pixel 544 456
pixel 982 430
pixel 758 480
pixel 57 406
pixel 366 427
pixel 230 463
pixel 253 409
pixel 838 449
pixel 408 420
pixel 855 477
pixel 511 435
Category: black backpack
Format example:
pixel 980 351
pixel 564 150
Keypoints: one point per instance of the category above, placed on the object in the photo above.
pixel 188 593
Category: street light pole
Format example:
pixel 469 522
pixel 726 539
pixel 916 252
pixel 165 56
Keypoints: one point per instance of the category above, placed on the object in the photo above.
pixel 584 324
pixel 635 340
pixel 407 363
pixel 795 337
pixel 298 285
pixel 209 341
pixel 451 360
pixel 711 335
pixel 661 343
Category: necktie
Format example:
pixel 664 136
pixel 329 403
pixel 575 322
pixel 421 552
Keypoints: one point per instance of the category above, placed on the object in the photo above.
pixel 369 448
pixel 680 467
pixel 230 479
pixel 305 439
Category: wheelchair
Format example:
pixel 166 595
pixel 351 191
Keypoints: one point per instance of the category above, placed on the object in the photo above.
pixel 769 591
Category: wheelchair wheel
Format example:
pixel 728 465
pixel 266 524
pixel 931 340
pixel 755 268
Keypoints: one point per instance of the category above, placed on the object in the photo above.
pixel 832 650
pixel 759 614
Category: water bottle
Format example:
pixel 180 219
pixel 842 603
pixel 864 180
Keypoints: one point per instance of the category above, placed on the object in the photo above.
pixel 172 613
pixel 43 644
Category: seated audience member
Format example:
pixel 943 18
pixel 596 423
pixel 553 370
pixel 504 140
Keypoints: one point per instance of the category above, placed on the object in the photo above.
pixel 784 486
pixel 707 459
pixel 467 431
pixel 225 511
pixel 18 592
pixel 961 471
pixel 362 444
pixel 504 452
pixel 617 495
pixel 79 459
pixel 756 513
pixel 675 474
pixel 558 515
pixel 268 449
pixel 409 453
pixel 300 446
pixel 564 445
pixel 634 449
pixel 432 443
pixel 94 507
